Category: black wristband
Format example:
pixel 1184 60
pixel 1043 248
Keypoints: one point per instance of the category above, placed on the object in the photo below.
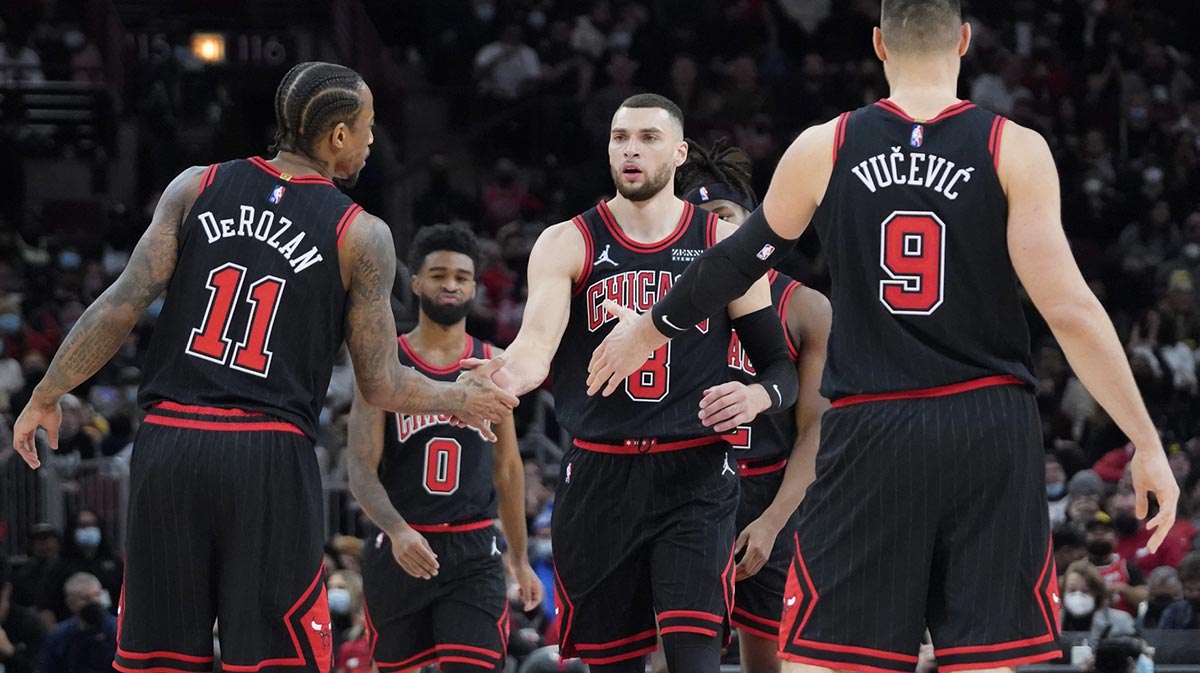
pixel 720 275
pixel 761 334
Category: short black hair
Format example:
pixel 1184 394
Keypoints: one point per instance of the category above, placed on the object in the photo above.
pixel 312 98
pixel 1067 535
pixel 443 238
pixel 653 100
pixel 722 162
pixel 920 25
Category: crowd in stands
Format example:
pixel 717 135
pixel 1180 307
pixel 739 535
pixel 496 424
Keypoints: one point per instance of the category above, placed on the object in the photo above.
pixel 1114 86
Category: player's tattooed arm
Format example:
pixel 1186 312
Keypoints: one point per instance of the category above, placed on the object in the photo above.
pixel 365 448
pixel 371 335
pixel 106 324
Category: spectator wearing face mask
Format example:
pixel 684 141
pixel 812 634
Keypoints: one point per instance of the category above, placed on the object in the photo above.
pixel 1085 605
pixel 86 642
pixel 1056 490
pixel 1185 613
pixel 1133 536
pixel 352 647
pixel 1165 588
pixel 85 550
pixel 1123 577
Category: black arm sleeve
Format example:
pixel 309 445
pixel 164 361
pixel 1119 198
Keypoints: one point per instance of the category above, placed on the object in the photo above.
pixel 762 336
pixel 720 275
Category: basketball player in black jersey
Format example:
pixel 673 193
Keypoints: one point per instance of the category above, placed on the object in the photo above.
pixel 267 266
pixel 643 526
pixel 928 502
pixel 434 578
pixel 776 453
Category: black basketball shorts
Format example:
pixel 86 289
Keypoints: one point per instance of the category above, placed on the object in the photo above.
pixel 926 512
pixel 643 540
pixel 759 599
pixel 224 524
pixel 458 617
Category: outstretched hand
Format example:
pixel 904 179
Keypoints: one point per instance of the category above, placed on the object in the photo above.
pixel 485 402
pixel 623 351
pixel 500 375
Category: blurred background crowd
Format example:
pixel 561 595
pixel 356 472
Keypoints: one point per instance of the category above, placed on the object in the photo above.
pixel 495 113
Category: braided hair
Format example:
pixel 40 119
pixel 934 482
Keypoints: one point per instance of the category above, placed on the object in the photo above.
pixel 313 98
pixel 722 162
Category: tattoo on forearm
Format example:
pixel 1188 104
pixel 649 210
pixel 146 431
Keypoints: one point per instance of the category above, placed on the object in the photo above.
pixel 105 324
pixel 371 332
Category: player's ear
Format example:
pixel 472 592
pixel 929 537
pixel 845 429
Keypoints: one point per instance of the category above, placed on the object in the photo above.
pixel 338 136
pixel 681 153
pixel 877 42
pixel 964 40
pixel 416 284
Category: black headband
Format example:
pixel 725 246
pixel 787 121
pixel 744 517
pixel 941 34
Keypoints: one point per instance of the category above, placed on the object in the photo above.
pixel 719 191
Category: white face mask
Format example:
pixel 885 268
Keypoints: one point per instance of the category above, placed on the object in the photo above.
pixel 1079 604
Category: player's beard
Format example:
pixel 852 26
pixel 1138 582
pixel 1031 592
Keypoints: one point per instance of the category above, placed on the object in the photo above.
pixel 652 185
pixel 445 314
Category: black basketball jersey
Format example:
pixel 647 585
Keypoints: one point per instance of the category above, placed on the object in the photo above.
pixel 433 472
pixel 768 435
pixel 913 225
pixel 662 399
pixel 254 313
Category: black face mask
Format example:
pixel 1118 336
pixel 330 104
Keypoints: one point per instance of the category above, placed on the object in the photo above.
pixel 1125 524
pixel 1100 549
pixel 91 616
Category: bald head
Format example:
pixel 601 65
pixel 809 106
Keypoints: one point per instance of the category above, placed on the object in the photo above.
pixel 920 26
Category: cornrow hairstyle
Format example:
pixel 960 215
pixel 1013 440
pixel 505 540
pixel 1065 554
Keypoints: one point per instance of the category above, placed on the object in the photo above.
pixel 722 163
pixel 313 98
pixel 443 237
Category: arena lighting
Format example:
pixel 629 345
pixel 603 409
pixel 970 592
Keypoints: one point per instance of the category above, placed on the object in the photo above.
pixel 208 47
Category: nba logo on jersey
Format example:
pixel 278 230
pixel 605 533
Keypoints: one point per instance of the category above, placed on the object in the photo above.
pixel 276 194
pixel 568 475
pixel 704 193
pixel 918 135
pixel 765 252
